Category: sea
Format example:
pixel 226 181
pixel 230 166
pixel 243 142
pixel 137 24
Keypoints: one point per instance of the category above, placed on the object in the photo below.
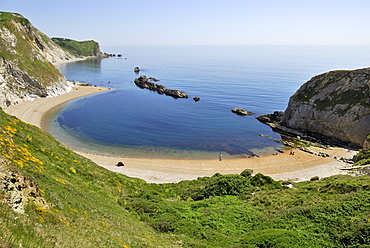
pixel 132 122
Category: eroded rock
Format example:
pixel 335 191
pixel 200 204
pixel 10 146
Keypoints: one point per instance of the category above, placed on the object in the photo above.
pixel 144 83
pixel 19 190
pixel 240 111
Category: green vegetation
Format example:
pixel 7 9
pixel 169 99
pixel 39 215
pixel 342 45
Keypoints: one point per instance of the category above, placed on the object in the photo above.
pixel 349 97
pixel 82 197
pixel 89 205
pixel 5 16
pixel 22 51
pixel 363 157
pixel 78 48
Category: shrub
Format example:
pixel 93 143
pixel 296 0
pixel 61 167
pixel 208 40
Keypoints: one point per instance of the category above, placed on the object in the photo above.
pixel 314 179
pixel 247 173
pixel 282 238
pixel 217 186
pixel 262 180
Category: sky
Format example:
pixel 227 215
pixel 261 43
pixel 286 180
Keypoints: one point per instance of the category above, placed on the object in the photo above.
pixel 200 22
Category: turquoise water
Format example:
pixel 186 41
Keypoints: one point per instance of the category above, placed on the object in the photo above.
pixel 136 122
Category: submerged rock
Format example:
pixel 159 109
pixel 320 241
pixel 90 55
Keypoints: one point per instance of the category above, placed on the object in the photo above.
pixel 153 79
pixel 136 69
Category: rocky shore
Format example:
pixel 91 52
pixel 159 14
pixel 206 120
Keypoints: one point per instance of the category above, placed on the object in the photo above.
pixel 274 120
pixel 330 108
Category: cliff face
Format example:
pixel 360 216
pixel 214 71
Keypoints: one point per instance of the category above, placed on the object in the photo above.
pixel 335 104
pixel 26 55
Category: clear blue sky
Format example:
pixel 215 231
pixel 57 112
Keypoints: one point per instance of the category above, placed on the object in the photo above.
pixel 201 22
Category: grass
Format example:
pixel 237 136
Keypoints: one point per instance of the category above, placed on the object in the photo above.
pixel 89 205
pixel 5 16
pixel 23 53
pixel 86 205
pixel 84 197
pixel 78 48
pixel 363 157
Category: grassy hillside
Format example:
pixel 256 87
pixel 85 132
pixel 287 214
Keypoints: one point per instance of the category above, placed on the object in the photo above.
pixel 17 44
pixel 79 48
pixel 89 206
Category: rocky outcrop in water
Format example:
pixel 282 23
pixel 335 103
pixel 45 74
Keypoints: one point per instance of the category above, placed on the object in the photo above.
pixel 144 83
pixel 334 105
pixel 240 111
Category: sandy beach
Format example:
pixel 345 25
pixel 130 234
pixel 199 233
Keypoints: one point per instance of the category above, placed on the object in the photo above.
pixel 299 167
pixel 71 60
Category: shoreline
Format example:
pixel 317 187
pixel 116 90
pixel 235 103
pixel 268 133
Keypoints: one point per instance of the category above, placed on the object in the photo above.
pixel 299 167
pixel 34 112
pixel 71 60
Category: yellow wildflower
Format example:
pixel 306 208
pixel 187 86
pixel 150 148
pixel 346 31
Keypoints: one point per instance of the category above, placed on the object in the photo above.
pixel 59 180
pixel 74 210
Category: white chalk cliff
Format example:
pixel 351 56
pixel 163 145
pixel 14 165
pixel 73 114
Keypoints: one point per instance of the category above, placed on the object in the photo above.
pixel 26 57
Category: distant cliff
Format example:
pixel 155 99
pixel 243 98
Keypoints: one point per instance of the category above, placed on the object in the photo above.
pixel 335 104
pixel 79 48
pixel 26 57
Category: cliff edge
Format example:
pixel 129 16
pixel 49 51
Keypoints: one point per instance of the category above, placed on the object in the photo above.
pixel 26 57
pixel 80 48
pixel 335 104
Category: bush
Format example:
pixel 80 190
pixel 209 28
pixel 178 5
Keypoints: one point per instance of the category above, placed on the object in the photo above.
pixel 314 179
pixel 247 173
pixel 282 238
pixel 262 180
pixel 217 186
pixel 362 158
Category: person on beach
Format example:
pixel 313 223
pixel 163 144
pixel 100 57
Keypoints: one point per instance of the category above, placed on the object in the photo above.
pixel 220 156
